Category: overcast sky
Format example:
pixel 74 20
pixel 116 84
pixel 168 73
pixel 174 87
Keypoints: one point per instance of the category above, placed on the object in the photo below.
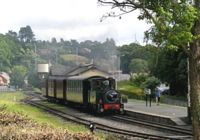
pixel 69 19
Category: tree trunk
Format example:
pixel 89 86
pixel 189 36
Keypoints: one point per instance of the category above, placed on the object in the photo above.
pixel 194 75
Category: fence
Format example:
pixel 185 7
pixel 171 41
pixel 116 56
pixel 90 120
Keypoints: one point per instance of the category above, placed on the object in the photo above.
pixel 6 89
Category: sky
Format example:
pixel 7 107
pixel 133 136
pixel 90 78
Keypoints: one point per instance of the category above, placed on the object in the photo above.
pixel 70 19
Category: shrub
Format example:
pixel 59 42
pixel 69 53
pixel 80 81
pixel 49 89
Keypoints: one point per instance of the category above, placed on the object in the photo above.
pixel 151 82
pixel 139 79
pixel 29 129
pixel 127 88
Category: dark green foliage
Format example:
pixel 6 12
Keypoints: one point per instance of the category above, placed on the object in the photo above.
pixel 138 66
pixel 136 51
pixel 34 80
pixel 167 64
pixel 26 34
pixel 151 83
pixel 18 75
pixel 172 68
pixel 139 79
pixel 11 52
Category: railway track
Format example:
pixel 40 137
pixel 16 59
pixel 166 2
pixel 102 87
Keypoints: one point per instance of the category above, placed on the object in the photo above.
pixel 163 127
pixel 123 133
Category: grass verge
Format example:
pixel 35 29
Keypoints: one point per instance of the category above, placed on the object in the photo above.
pixel 11 101
pixel 129 89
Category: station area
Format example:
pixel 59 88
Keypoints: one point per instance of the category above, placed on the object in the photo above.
pixel 162 113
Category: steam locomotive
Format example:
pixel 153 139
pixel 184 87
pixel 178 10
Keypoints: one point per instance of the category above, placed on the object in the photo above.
pixel 93 92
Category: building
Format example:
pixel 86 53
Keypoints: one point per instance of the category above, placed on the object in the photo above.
pixel 4 79
pixel 87 70
pixel 82 70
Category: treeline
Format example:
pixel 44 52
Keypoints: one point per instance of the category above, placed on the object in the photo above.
pixel 20 52
pixel 166 64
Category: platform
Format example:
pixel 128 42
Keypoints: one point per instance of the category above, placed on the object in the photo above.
pixel 162 113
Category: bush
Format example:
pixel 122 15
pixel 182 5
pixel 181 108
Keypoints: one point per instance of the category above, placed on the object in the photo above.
pixel 29 129
pixel 127 88
pixel 151 82
pixel 139 79
pixel 133 95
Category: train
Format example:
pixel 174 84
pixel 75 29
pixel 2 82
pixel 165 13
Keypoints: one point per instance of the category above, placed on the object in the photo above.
pixel 93 92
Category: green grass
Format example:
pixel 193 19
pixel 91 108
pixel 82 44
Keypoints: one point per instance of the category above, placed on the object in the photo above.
pixel 13 104
pixel 129 89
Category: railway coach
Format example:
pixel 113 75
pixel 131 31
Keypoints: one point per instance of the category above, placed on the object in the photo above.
pixel 93 92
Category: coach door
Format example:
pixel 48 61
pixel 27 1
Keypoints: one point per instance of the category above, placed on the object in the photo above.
pixel 86 92
pixel 64 89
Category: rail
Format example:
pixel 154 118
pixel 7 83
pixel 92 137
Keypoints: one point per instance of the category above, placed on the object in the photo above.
pixel 98 126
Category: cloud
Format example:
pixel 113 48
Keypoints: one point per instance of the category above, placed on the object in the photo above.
pixel 69 19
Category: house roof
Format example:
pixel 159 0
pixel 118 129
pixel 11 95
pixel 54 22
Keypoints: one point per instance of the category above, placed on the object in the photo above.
pixel 59 69
pixel 83 68
pixel 5 75
pixel 82 71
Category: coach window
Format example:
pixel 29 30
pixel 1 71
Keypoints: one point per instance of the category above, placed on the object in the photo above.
pixel 66 85
pixel 81 86
pixel 73 83
pixel 78 86
pixel 73 86
pixel 69 83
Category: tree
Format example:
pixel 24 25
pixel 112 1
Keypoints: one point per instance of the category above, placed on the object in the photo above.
pixel 12 34
pixel 11 52
pixel 18 74
pixel 53 40
pixel 136 51
pixel 172 68
pixel 26 34
pixel 151 83
pixel 138 66
pixel 175 24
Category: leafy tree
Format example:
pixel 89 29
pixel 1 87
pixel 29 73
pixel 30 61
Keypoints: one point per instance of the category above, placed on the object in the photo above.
pixel 139 79
pixel 136 51
pixel 26 34
pixel 5 52
pixel 33 79
pixel 151 83
pixel 175 24
pixel 18 74
pixel 53 40
pixel 11 52
pixel 172 68
pixel 138 66
pixel 12 34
